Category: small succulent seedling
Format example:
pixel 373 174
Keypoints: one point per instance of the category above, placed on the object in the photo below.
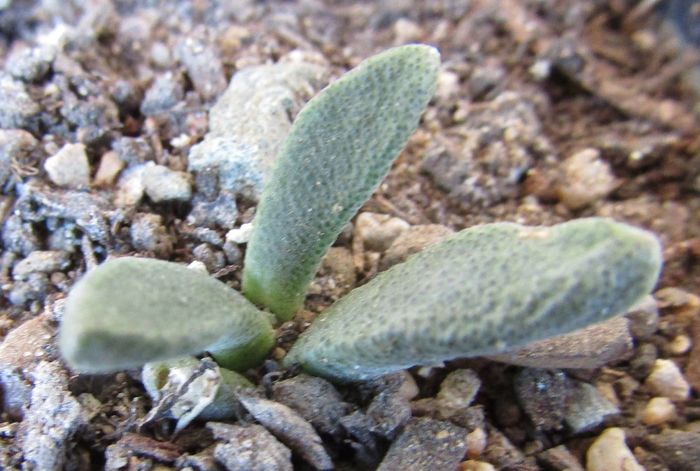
pixel 482 291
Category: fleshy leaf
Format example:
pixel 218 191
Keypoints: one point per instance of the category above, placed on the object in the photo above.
pixel 131 311
pixel 339 149
pixel 485 290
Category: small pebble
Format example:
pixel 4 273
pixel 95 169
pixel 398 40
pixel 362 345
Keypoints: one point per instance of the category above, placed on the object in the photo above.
pixel 658 410
pixel 457 391
pixel 30 64
pixel 586 178
pixel 667 380
pixel 644 318
pixel 476 442
pixel 69 167
pixel 471 465
pixel 240 235
pixel 679 450
pixel 610 452
pixel 680 345
pixel 378 231
pixel 163 184
pixel 109 168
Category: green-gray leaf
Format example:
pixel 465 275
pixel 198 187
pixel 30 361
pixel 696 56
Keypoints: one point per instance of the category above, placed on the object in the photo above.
pixel 340 147
pixel 130 311
pixel 482 291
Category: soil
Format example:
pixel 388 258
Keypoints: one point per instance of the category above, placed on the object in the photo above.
pixel 545 111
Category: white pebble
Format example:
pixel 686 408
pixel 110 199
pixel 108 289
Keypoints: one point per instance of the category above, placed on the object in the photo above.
pixel 610 452
pixel 658 410
pixel 667 380
pixel 240 235
pixel 164 184
pixel 69 167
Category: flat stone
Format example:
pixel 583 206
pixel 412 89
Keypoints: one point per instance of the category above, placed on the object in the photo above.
pixel 591 347
pixel 41 261
pixel 69 167
pixel 315 399
pixel 250 448
pixel 426 445
pixel 290 428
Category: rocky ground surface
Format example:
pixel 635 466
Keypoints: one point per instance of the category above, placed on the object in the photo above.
pixel 148 128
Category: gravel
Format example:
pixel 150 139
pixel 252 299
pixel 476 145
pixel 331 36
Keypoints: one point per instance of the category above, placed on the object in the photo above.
pixel 69 167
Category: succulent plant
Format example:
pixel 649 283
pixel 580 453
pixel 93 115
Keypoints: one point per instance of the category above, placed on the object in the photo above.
pixel 481 291
pixel 338 151
pixel 485 290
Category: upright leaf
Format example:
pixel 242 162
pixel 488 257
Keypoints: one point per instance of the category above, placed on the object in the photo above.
pixel 483 291
pixel 339 149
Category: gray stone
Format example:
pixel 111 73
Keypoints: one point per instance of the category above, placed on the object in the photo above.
pixel 590 347
pixel 133 150
pixel 502 454
pixel 30 64
pixel 413 240
pixel 680 450
pixel 212 259
pixel 485 78
pixel 315 399
pixel 165 92
pixel 69 167
pixel 203 67
pixel 543 395
pixel 643 361
pixel 18 109
pixel 41 261
pixel 19 236
pixel 389 412
pixel 220 212
pixel 249 447
pixel 86 210
pixel 52 419
pixel 483 161
pixel 250 120
pixel 290 428
pixel 162 184
pixel 426 445
pixel 33 288
pixel 20 352
pixel 15 146
pixel 149 234
pixel 587 408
